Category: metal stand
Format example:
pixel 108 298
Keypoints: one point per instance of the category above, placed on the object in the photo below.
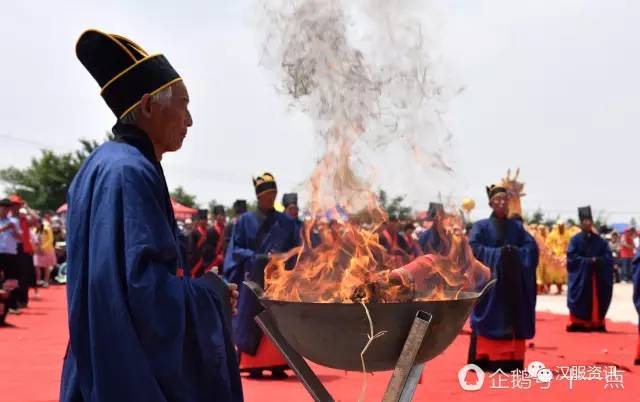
pixel 405 376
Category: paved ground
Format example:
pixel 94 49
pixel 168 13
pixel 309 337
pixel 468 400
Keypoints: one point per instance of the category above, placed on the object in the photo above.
pixel 621 310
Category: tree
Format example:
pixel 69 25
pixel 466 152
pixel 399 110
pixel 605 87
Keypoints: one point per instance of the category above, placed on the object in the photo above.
pixel 45 182
pixel 394 206
pixel 179 194
pixel 537 218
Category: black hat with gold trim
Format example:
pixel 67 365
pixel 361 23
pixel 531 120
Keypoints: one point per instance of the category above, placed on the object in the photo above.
pixel 264 183
pixel 494 190
pixel 123 69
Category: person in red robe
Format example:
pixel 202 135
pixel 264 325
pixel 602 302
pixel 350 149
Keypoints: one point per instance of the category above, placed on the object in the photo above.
pixel 219 226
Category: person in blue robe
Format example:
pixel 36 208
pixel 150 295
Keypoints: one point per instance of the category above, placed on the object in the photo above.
pixel 430 240
pixel 255 236
pixel 590 282
pixel 139 331
pixel 505 317
pixel 635 279
pixel 239 208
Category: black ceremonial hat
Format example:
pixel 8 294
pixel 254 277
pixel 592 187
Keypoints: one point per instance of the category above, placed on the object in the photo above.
pixel 202 214
pixel 240 206
pixel 289 198
pixel 123 69
pixel 584 213
pixel 218 210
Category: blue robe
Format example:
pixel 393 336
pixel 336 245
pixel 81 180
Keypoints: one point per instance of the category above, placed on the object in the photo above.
pixel 582 248
pixel 137 331
pixel 255 235
pixel 430 242
pixel 635 277
pixel 508 309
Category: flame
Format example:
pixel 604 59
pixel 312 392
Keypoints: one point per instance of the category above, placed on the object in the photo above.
pixel 351 265
pixel 362 96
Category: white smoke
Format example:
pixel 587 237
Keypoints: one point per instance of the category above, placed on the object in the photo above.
pixel 368 75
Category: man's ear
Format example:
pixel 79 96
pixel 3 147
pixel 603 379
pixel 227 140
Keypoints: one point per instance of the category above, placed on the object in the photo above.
pixel 145 105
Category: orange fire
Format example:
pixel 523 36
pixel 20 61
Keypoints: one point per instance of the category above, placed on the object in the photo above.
pixel 350 265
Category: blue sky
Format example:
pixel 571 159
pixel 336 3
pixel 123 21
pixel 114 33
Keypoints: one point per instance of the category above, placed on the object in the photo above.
pixel 552 87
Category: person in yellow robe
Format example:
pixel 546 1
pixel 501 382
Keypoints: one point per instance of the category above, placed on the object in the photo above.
pixel 539 233
pixel 558 242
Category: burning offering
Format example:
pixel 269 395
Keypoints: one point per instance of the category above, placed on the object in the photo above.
pixel 364 95
pixel 350 299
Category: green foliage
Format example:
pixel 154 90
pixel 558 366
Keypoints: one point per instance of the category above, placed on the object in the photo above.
pixel 45 182
pixel 179 194
pixel 395 205
pixel 537 218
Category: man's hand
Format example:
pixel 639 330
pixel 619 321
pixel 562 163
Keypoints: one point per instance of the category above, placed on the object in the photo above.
pixel 233 297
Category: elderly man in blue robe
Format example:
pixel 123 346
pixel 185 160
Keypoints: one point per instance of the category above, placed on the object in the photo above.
pixel 139 329
pixel 255 236
pixel 505 318
pixel 590 284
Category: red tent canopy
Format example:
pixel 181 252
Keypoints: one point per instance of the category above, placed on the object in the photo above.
pixel 182 212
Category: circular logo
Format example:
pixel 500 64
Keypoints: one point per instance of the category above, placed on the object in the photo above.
pixel 534 368
pixel 545 375
pixel 462 378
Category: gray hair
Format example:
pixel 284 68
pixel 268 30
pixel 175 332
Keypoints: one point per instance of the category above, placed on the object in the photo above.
pixel 162 98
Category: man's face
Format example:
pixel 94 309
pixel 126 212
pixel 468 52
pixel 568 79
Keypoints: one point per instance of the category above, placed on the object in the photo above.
pixel 292 211
pixel 266 200
pixel 586 225
pixel 169 124
pixel 4 211
pixel 561 229
pixel 220 218
pixel 499 205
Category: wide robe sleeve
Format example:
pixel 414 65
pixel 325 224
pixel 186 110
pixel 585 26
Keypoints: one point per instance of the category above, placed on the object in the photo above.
pixel 239 256
pixel 488 254
pixel 164 336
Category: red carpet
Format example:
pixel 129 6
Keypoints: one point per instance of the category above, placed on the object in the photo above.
pixel 33 346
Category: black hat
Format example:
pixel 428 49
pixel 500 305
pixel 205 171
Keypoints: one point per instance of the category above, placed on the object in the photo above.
pixel 202 214
pixel 5 202
pixel 584 213
pixel 264 183
pixel 393 217
pixel 123 69
pixel 290 198
pixel 218 210
pixel 494 190
pixel 240 206
pixel 435 208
